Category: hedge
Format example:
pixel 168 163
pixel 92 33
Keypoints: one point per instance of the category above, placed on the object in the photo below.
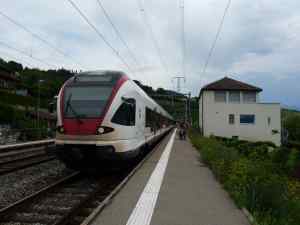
pixel 21 122
pixel 13 99
pixel 256 179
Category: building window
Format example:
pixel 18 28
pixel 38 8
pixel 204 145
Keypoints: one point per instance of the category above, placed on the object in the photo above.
pixel 220 96
pixel 269 121
pixel 125 114
pixel 247 119
pixel 231 118
pixel 234 96
pixel 249 97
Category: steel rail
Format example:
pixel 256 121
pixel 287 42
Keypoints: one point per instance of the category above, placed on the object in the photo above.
pixel 82 197
pixel 118 188
pixel 24 162
pixel 29 198
pixel 5 148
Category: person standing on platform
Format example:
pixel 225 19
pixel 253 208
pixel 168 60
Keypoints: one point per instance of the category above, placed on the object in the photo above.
pixel 182 131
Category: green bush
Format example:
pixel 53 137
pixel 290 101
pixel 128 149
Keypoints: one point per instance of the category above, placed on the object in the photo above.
pixel 13 99
pixel 293 161
pixel 292 124
pixel 22 123
pixel 255 178
pixel 9 114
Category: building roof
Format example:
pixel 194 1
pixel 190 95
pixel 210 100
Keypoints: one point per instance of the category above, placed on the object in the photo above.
pixel 228 84
pixel 8 77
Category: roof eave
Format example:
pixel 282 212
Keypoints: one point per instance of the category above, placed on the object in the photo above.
pixel 212 89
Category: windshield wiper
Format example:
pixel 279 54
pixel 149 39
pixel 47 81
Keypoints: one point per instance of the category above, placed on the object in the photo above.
pixel 68 105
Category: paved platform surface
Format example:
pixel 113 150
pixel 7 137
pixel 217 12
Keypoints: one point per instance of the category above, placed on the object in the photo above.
pixel 188 195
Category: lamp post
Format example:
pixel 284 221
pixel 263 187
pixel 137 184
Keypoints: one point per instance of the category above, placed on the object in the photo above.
pixel 38 107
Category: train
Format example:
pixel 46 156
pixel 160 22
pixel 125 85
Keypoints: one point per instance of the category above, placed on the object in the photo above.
pixel 104 116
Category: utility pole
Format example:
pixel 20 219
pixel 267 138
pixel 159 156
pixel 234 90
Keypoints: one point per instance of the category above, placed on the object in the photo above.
pixel 38 107
pixel 186 110
pixel 190 113
pixel 178 78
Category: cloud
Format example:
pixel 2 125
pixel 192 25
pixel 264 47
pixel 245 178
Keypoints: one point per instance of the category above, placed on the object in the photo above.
pixel 259 42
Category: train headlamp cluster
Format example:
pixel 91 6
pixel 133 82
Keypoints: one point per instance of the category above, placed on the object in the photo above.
pixel 104 130
pixel 61 129
pixel 101 130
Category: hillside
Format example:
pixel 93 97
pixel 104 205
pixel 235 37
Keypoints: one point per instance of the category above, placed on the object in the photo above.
pixel 291 125
pixel 48 83
pixel 173 102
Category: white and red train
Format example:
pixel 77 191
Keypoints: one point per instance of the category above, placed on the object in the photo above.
pixel 104 115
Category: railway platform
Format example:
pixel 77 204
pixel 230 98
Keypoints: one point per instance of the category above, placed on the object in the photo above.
pixel 172 187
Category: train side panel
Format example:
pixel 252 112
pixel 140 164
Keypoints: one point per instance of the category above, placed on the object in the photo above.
pixel 125 139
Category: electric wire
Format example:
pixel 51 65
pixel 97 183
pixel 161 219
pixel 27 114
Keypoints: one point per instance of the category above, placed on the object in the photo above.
pixel 148 26
pixel 16 58
pixel 107 16
pixel 183 39
pixel 25 53
pixel 216 37
pixel 100 35
pixel 59 51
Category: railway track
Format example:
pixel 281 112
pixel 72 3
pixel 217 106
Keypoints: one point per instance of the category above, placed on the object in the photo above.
pixel 71 200
pixel 10 165
pixel 67 201
pixel 12 159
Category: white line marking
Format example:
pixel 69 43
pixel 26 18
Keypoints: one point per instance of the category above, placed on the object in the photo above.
pixel 143 211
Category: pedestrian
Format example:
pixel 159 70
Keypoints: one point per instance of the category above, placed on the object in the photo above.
pixel 182 131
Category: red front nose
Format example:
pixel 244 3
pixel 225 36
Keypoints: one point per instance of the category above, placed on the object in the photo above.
pixel 85 127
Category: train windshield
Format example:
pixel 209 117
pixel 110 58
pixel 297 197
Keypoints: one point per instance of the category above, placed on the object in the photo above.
pixel 85 101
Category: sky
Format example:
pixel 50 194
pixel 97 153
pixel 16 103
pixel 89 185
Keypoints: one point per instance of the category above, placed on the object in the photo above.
pixel 258 44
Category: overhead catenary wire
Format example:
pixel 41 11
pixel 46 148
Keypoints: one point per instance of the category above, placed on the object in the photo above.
pixel 149 27
pixel 26 54
pixel 16 58
pixel 107 16
pixel 183 44
pixel 216 37
pixel 100 35
pixel 38 37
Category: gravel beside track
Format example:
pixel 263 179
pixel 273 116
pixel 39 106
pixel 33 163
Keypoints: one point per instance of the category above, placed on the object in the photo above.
pixel 13 155
pixel 19 184
pixel 58 204
pixel 18 164
pixel 68 201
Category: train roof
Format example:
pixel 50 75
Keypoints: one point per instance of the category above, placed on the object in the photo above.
pixel 158 107
pixel 102 72
pixel 115 75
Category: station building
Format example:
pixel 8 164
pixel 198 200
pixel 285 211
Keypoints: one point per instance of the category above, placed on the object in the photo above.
pixel 232 109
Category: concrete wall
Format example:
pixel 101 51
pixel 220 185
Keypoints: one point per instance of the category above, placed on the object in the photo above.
pixel 216 119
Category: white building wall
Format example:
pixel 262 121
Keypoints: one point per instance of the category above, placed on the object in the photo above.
pixel 216 119
pixel 200 113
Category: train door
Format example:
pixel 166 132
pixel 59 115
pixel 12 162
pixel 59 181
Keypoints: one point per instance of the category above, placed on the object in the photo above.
pixel 125 118
pixel 140 114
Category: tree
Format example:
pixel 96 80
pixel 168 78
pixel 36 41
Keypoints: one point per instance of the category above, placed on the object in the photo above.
pixel 161 91
pixel 292 124
pixel 14 66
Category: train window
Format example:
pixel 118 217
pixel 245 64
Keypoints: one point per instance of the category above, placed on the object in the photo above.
pixel 148 117
pixel 125 114
pixel 85 101
pixel 154 120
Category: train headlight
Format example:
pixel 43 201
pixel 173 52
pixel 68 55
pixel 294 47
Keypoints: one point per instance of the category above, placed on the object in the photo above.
pixel 61 129
pixel 104 130
pixel 101 130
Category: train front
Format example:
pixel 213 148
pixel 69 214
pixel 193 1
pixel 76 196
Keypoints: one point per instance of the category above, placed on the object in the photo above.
pixel 82 105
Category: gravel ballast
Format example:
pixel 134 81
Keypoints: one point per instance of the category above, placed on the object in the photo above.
pixel 17 185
